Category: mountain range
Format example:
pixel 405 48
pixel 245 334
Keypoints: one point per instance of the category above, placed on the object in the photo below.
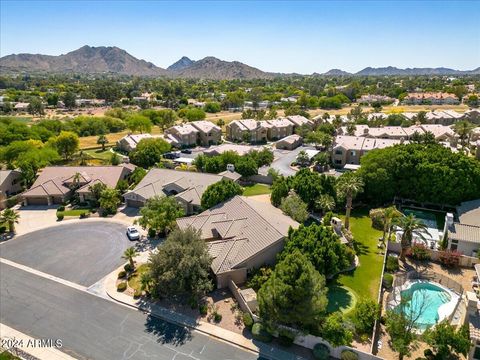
pixel 113 60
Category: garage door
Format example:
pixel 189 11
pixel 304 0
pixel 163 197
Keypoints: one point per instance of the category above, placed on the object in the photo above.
pixel 37 201
pixel 134 203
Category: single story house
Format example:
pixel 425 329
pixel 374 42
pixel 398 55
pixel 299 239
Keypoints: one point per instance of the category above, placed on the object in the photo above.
pixel 10 184
pixel 464 235
pixel 186 186
pixel 290 142
pixel 129 142
pixel 56 184
pixel 241 234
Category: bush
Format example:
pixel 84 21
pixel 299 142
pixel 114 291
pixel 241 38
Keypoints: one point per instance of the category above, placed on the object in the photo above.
pixel 420 252
pixel 12 201
pixel 377 218
pixel 387 280
pixel 286 337
pixel 122 287
pixel 128 268
pixel 152 233
pixel 83 215
pixel 247 320
pixel 260 333
pixel 348 355
pixel 217 317
pixel 450 258
pixel 60 217
pixel 326 221
pixel 61 208
pixel 321 352
pixel 203 309
pixel 137 294
pixel 392 263
pixel 122 274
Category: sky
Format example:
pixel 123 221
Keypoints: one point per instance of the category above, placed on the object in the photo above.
pixel 277 36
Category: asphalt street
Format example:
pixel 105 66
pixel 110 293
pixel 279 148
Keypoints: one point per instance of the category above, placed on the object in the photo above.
pixel 82 252
pixel 94 328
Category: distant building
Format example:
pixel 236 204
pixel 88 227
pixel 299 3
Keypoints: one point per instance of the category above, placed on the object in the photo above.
pixel 10 184
pixel 129 142
pixel 208 132
pixel 289 143
pixel 247 130
pixel 434 98
pixel 183 135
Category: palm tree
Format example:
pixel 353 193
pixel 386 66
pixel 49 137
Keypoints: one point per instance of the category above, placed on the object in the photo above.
pixel 389 217
pixel 348 186
pixel 129 254
pixel 102 140
pixel 464 130
pixel 326 202
pixel 10 217
pixel 145 282
pixel 411 227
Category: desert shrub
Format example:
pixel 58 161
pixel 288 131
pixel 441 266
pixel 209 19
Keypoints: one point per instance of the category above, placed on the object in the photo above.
pixel 137 294
pixel 61 208
pixel 350 254
pixel 60 217
pixel 260 333
pixel 348 355
pixel 247 320
pixel 420 252
pixel 286 337
pixel 122 286
pixel 321 352
pixel 392 263
pixel 217 317
pixel 387 280
pixel 122 274
pixel 450 258
pixel 203 309
pixel 128 268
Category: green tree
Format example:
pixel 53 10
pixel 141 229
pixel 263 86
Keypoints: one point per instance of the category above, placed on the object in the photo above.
pixel 96 191
pixel 148 152
pixel 294 295
pixel 181 266
pixel 220 192
pixel 348 186
pixel 129 254
pixel 390 216
pixel 448 341
pixel 364 315
pixel 302 160
pixel 336 330
pixel 35 107
pixel 66 143
pixel 321 246
pixel 410 227
pixel 52 99
pixel 166 118
pixel 139 123
pixel 69 100
pixel 160 213
pixel 294 207
pixel 320 138
pixel 326 203
pixel 464 131
pixel 10 217
pixel 280 190
pixel 137 175
pixel 109 201
pixel 102 140
pixel 146 282
pixel 212 107
pixel 246 166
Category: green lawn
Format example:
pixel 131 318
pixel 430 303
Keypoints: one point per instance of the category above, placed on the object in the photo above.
pixel 257 189
pixel 75 212
pixel 99 154
pixel 5 355
pixel 365 279
pixel 341 298
pixel 134 281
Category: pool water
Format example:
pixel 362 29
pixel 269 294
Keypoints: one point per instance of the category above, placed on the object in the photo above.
pixel 424 300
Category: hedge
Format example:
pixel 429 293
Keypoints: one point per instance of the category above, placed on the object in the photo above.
pixel 122 286
pixel 321 352
pixel 348 355
pixel 260 333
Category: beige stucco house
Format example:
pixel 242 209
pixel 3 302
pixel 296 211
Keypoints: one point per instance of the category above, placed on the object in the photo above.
pixel 10 184
pixel 129 142
pixel 247 130
pixel 183 135
pixel 208 132
pixel 279 128
pixel 464 235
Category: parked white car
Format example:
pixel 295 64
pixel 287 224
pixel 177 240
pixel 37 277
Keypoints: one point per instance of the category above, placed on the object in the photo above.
pixel 132 233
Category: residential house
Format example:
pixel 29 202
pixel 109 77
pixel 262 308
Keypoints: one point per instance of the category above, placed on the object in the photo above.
pixel 238 148
pixel 472 115
pixel 441 132
pixel 279 128
pixel 241 234
pixel 372 98
pixel 437 98
pixel 57 184
pixel 21 106
pixel 208 132
pixel 299 121
pixel 187 187
pixel 464 235
pixel 289 143
pixel 129 142
pixel 247 130
pixel 10 184
pixel 182 135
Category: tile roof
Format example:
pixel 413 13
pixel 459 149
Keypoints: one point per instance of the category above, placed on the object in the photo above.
pixel 239 229
pixel 299 120
pixel 184 129
pixel 464 232
pixel 205 126
pixel 469 212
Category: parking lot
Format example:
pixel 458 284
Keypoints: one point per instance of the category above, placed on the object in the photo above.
pixel 82 252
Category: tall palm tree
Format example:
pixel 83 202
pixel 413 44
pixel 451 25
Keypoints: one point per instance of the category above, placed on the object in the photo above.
pixel 464 131
pixel 411 227
pixel 10 217
pixel 390 215
pixel 326 202
pixel 102 140
pixel 348 186
pixel 129 254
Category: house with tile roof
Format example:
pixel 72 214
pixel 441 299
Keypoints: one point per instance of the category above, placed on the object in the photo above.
pixel 241 234
pixel 208 132
pixel 187 187
pixel 129 142
pixel 182 135
pixel 57 184
pixel 464 235
pixel 247 130
pixel 10 184
pixel 279 128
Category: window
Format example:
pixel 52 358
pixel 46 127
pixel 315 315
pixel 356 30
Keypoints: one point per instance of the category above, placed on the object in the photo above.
pixel 353 153
pixel 338 162
pixel 338 152
pixel 454 245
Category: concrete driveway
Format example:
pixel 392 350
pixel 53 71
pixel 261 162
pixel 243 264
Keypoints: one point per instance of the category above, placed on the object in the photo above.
pixel 34 218
pixel 82 252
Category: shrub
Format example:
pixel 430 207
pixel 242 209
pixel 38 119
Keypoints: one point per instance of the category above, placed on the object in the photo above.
pixel 83 215
pixel 122 286
pixel 152 233
pixel 364 315
pixel 387 280
pixel 192 301
pixel 137 294
pixel 348 355
pixel 377 218
pixel 260 333
pixel 327 218
pixel 428 353
pixel 286 337
pixel 247 320
pixel 122 274
pixel 420 252
pixel 128 268
pixel 61 208
pixel 392 263
pixel 60 217
pixel 203 309
pixel 258 277
pixel 321 352
pixel 450 258
pixel 217 317
pixel 12 201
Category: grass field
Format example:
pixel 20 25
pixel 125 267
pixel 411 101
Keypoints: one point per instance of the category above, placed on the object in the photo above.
pixel 257 189
pixel 341 298
pixel 90 142
pixel 365 279
pixel 134 281
pixel 75 212
pixel 99 154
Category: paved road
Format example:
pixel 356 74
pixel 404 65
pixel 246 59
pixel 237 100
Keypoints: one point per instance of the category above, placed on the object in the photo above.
pixel 285 158
pixel 82 253
pixel 94 328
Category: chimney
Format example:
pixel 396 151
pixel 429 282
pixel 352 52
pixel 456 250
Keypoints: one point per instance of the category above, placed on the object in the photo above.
pixel 449 219
pixel 365 131
pixel 231 167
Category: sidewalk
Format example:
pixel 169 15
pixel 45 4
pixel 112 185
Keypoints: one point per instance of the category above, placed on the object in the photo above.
pixel 31 345
pixel 264 350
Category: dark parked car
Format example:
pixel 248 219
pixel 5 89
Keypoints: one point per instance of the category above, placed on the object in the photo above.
pixel 171 155
pixel 186 151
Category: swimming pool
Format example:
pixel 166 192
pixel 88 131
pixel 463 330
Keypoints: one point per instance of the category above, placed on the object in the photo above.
pixel 427 301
